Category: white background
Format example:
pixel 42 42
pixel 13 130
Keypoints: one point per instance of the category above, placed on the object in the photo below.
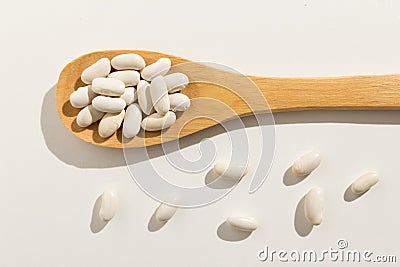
pixel 50 180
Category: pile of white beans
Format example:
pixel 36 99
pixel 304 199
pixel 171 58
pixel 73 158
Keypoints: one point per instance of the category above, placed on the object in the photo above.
pixel 124 91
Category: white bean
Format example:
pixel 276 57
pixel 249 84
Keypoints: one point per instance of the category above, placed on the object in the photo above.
pixel 82 97
pixel 108 207
pixel 128 62
pixel 179 102
pixel 243 223
pixel 159 95
pixel 108 104
pixel 108 86
pixel 364 183
pixel 88 115
pixel 314 206
pixel 110 123
pixel 156 122
pixel 306 163
pixel 144 98
pixel 160 67
pixel 165 212
pixel 230 171
pixel 176 82
pixel 128 77
pixel 129 95
pixel 99 69
pixel 133 118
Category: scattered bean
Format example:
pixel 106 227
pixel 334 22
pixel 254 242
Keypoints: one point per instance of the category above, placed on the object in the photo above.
pixel 230 171
pixel 364 183
pixel 247 224
pixel 314 206
pixel 306 163
pixel 108 207
pixel 165 212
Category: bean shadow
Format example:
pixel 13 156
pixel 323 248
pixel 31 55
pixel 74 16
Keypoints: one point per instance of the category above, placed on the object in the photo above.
pixel 74 151
pixel 214 181
pixel 67 147
pixel 349 196
pixel 301 225
pixel 289 178
pixel 155 225
pixel 97 224
pixel 339 116
pixel 228 233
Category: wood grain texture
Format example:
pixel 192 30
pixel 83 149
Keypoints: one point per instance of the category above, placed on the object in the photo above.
pixel 219 95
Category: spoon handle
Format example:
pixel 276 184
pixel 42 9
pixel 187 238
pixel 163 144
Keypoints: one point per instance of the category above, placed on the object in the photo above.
pixel 380 92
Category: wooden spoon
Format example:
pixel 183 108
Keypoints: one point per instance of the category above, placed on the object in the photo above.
pixel 219 95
